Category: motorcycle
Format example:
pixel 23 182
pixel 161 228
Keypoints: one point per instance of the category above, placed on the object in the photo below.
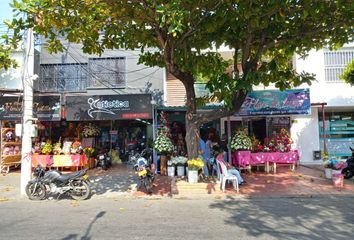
pixel 348 171
pixel 52 181
pixel 144 171
pixel 104 160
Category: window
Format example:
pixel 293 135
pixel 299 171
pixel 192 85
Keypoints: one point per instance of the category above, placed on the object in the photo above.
pixel 62 77
pixel 335 62
pixel 106 72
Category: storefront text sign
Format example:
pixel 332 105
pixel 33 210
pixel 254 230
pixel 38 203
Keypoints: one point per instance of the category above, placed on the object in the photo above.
pixel 275 102
pixel 108 107
pixel 45 108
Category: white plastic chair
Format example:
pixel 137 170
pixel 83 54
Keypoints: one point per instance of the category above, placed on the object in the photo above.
pixel 224 175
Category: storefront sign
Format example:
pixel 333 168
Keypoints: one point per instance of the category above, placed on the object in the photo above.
pixel 108 107
pixel 45 108
pixel 275 102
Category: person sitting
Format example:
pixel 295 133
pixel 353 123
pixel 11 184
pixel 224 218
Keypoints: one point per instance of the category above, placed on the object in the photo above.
pixel 230 169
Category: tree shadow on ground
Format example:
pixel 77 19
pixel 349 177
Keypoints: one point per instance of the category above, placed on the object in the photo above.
pixel 118 179
pixel 290 218
pixel 88 230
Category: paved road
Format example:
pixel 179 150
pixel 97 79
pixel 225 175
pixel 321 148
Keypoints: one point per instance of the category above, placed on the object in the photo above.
pixel 126 218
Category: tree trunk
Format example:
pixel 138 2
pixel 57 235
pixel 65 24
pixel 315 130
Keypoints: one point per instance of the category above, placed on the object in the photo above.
pixel 192 131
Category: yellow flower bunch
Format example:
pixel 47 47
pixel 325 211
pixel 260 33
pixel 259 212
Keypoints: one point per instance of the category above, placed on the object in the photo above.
pixel 195 164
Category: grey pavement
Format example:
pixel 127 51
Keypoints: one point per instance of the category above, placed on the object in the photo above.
pixel 126 218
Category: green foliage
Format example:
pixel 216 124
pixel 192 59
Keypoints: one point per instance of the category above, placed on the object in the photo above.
pixel 348 74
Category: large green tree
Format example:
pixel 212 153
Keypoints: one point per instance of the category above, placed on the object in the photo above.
pixel 264 35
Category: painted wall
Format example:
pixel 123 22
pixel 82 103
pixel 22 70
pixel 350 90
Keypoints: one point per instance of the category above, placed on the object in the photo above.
pixel 11 79
pixel 139 78
pixel 305 132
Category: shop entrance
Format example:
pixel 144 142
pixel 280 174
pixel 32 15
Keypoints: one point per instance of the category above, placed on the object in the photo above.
pixel 258 128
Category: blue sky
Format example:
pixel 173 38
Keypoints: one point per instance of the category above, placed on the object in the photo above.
pixel 5 10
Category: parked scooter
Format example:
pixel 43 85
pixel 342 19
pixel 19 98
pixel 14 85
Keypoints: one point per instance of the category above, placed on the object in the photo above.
pixel 348 171
pixel 144 171
pixel 52 181
pixel 104 160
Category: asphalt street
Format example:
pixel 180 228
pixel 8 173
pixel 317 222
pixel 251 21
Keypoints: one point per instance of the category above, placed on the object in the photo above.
pixel 231 218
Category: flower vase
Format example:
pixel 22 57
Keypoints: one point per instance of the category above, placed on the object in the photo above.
pixel 328 173
pixel 192 176
pixel 163 165
pixel 171 171
pixel 180 171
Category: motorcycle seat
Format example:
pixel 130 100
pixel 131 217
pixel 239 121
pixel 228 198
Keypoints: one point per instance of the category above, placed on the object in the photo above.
pixel 69 176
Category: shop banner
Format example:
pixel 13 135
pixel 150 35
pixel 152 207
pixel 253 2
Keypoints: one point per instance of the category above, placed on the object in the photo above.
pixel 45 108
pixel 276 102
pixel 108 107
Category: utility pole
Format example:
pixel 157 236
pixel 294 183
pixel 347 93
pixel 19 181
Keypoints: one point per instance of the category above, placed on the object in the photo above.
pixel 27 117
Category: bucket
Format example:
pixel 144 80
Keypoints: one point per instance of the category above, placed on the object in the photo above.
pixel 328 173
pixel 338 180
pixel 192 176
pixel 180 171
pixel 171 171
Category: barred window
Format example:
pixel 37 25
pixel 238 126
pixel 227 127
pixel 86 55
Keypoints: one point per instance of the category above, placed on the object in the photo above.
pixel 107 72
pixel 68 77
pixel 335 62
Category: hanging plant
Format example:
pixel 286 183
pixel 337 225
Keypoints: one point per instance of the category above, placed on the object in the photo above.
pixel 91 130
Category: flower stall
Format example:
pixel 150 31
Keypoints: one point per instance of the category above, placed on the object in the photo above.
pixel 276 150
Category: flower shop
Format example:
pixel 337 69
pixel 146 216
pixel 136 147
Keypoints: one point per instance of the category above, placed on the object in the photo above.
pixel 89 125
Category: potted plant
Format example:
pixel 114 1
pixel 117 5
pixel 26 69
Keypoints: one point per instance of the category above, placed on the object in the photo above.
pixel 57 147
pixel 194 165
pixel 163 146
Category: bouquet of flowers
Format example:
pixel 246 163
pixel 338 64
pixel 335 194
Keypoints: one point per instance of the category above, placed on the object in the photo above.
pixel 91 130
pixel 57 147
pixel 280 142
pixel 334 164
pixel 47 148
pixel 76 147
pixel 179 160
pixel 195 164
pixel 89 151
pixel 241 141
pixel 162 143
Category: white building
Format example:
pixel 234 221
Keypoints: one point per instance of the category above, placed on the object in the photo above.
pixel 307 131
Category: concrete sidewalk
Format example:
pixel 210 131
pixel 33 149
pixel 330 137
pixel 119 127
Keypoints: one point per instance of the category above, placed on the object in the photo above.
pixel 121 181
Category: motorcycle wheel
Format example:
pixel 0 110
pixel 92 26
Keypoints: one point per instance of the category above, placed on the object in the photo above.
pixel 35 194
pixel 81 190
pixel 148 185
pixel 347 173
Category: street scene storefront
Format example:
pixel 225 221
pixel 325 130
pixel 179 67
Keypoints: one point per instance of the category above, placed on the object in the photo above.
pixel 266 120
pixel 69 132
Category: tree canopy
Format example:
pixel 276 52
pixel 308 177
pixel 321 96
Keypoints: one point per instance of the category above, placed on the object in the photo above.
pixel 263 35
pixel 348 74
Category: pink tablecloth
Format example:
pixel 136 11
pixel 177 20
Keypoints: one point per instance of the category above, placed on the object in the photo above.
pixel 59 160
pixel 245 158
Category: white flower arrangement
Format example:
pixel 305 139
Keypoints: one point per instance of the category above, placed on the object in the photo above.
pixel 240 141
pixel 178 161
pixel 91 130
pixel 163 144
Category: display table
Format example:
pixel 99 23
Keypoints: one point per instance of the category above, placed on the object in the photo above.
pixel 59 160
pixel 246 158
